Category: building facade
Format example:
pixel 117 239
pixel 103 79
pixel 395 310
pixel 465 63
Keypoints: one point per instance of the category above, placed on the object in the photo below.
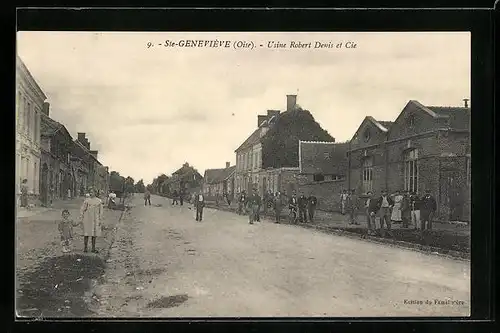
pixel 219 181
pixel 425 148
pixel 29 104
pixel 280 169
pixel 55 169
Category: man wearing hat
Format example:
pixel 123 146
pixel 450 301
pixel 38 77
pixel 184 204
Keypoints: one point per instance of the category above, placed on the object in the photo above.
pixel 427 210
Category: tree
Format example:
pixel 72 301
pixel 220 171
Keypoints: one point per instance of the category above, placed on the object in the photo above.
pixel 116 181
pixel 280 146
pixel 139 186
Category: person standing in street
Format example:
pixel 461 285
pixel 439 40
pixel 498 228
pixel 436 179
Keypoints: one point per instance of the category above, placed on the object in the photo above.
pixel 199 202
pixel 371 207
pixel 174 198
pixel 242 203
pixel 385 204
pixel 406 209
pixel 302 208
pixel 24 193
pixel 254 203
pixel 65 228
pixel 91 219
pixel 428 208
pixel 351 205
pixel 111 199
pixel 396 210
pixel 343 200
pixel 293 207
pixel 312 201
pixel 415 210
pixel 147 198
pixel 278 206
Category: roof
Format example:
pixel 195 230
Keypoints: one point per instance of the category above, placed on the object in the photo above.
pixel 382 125
pixel 251 140
pixel 48 126
pixel 326 158
pixel 458 117
pixel 213 176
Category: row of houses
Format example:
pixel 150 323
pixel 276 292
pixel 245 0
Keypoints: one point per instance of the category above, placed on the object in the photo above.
pixel 424 148
pixel 47 156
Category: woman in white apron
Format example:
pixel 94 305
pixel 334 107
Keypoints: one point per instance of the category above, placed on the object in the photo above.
pixel 396 210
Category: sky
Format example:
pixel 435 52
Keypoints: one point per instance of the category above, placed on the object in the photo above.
pixel 147 110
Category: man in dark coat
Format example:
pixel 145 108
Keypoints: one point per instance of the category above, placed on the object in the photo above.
pixel 312 201
pixel 181 196
pixel 428 208
pixel 415 203
pixel 174 197
pixel 254 203
pixel 278 206
pixel 293 206
pixel 302 208
pixel 242 200
pixel 199 202
pixel 384 204
pixel 371 206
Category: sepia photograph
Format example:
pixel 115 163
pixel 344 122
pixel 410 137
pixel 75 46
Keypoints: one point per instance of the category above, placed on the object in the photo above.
pixel 242 174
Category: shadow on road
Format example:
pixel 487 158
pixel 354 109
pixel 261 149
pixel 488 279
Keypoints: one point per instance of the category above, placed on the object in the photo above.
pixel 56 288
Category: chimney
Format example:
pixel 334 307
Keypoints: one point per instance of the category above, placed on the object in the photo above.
pixel 81 137
pixel 94 153
pixel 466 100
pixel 228 164
pixel 260 120
pixel 272 113
pixel 291 101
pixel 46 108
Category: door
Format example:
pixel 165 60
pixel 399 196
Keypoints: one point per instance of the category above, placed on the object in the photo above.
pixel 450 201
pixel 44 183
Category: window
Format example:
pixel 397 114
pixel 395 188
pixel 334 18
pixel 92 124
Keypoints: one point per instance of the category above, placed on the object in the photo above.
pixel 367 135
pixel 368 174
pixel 29 119
pixel 19 109
pixel 411 170
pixel 318 177
pixel 411 120
pixel 468 170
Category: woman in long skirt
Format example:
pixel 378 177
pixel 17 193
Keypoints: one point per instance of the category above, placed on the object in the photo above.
pixel 91 218
pixel 396 209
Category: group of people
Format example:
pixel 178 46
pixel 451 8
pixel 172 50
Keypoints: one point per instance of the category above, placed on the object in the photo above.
pixel 301 208
pixel 402 207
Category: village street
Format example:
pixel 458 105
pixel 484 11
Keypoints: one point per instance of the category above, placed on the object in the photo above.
pixel 165 264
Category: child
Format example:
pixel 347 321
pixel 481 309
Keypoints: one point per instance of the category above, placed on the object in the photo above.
pixel 66 230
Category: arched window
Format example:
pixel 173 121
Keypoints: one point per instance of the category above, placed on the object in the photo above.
pixel 367 174
pixel 411 170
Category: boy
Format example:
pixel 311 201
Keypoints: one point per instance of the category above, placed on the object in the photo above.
pixel 65 228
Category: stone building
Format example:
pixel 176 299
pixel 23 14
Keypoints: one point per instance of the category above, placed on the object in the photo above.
pixel 219 181
pixel 29 104
pixel 186 178
pixel 426 147
pixel 55 168
pixel 268 159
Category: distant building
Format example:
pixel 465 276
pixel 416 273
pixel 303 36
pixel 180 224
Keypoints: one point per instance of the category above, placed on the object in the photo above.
pixel 186 178
pixel 29 104
pixel 219 181
pixel 426 147
pixel 268 159
pixel 56 176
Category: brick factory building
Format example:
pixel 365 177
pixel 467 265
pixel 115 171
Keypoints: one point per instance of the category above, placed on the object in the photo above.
pixel 426 147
